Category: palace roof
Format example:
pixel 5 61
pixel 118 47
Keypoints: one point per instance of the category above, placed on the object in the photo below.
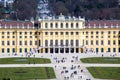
pixel 14 24
pixel 103 24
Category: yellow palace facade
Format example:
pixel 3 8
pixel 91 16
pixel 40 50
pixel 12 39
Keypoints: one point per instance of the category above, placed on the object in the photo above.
pixel 60 35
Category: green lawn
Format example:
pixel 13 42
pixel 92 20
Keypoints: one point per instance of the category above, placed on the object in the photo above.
pixel 105 72
pixel 24 60
pixel 111 60
pixel 27 73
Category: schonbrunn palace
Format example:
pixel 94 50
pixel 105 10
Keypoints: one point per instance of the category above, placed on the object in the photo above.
pixel 60 34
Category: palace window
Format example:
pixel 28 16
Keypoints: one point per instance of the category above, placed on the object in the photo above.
pixel 13 42
pixel 56 33
pixel 97 32
pixel 8 32
pixel 56 42
pixel 56 25
pixel 61 25
pixel 77 25
pixel 114 43
pixel 71 42
pixel 51 42
pixel 77 42
pixel 25 42
pixel 30 42
pixel 66 33
pixel 92 32
pixel 61 33
pixel 8 36
pixel 46 42
pixel 2 33
pixel 20 43
pixel 13 33
pixel 77 33
pixel 25 49
pixel 86 32
pixel 8 43
pixel 102 32
pixel 20 50
pixel 46 33
pixel 108 42
pixel 35 42
pixel 109 49
pixel 3 50
pixel 114 49
pixel 51 25
pixel 30 32
pixel 91 42
pixel 2 36
pixel 20 36
pixel 8 50
pixel 46 25
pixel 109 32
pixel 51 33
pixel 72 33
pixel 86 42
pixel 72 25
pixel 97 42
pixel 3 43
pixel 66 25
pixel 101 42
pixel 13 50
pixel 114 32
pixel 20 32
pixel 102 50
pixel 25 32
pixel 67 43
pixel 61 42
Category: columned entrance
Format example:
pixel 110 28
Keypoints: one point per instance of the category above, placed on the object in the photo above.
pixel 61 49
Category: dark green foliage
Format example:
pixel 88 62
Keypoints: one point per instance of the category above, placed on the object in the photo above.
pixel 91 9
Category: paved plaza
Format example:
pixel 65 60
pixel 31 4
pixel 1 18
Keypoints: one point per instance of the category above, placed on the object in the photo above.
pixel 66 66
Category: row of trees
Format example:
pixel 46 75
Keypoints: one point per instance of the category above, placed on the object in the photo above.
pixel 91 9
pixel 25 9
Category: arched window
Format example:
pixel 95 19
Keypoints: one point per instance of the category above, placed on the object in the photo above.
pixel 97 32
pixel 66 25
pixel 51 25
pixel 71 25
pixel 61 42
pixel 77 42
pixel 56 42
pixel 92 32
pixel 77 25
pixel 46 25
pixel 56 25
pixel 61 25
pixel 67 42
pixel 51 42
pixel 46 42
pixel 71 42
